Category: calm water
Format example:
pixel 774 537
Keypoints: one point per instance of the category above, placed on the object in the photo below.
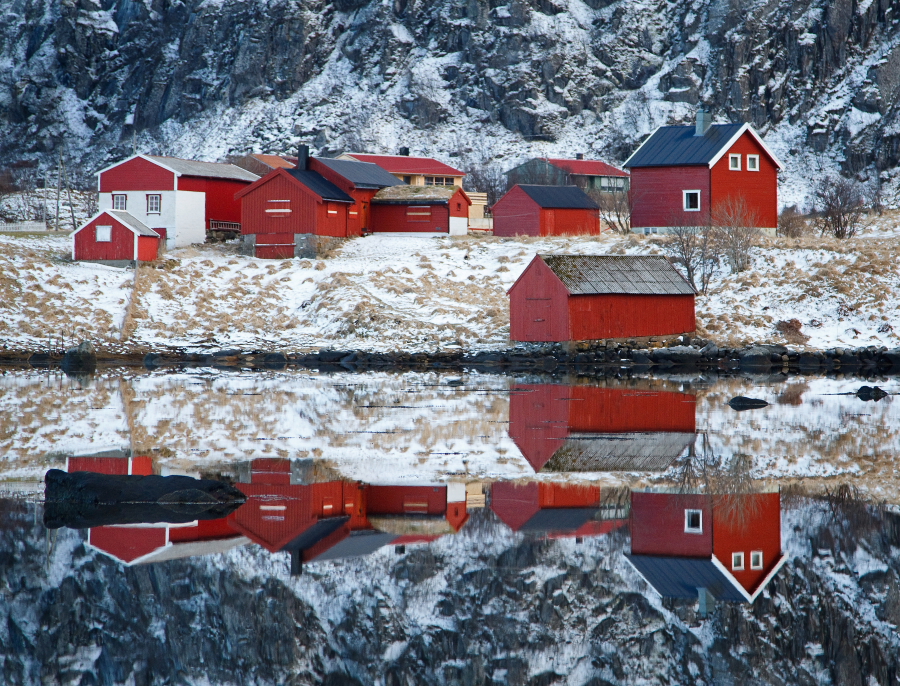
pixel 448 529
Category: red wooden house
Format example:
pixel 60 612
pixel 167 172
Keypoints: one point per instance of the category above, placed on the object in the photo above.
pixel 584 428
pixel 361 181
pixel 593 297
pixel 415 209
pixel 684 175
pixel 729 545
pixel 528 210
pixel 115 237
pixel 179 199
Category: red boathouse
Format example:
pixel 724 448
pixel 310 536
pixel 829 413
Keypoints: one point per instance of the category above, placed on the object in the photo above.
pixel 421 209
pixel 116 238
pixel 595 297
pixel 528 210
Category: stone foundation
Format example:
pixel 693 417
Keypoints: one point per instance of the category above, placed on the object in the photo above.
pixel 306 245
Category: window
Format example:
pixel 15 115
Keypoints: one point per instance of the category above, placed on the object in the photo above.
pixel 734 162
pixel 756 559
pixel 438 180
pixel 691 201
pixel 153 204
pixel 752 162
pixel 693 521
pixel 103 234
pixel 120 202
pixel 407 179
pixel 737 561
pixel 418 214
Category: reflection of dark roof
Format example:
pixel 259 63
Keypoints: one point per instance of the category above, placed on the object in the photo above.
pixel 319 185
pixel 357 544
pixel 605 274
pixel 560 519
pixel 620 452
pixel 559 197
pixel 316 533
pixel 680 577
pixel 361 174
pixel 678 146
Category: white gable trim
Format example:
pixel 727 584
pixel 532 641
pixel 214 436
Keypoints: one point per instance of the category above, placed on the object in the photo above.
pixel 762 584
pixel 741 131
pixel 728 575
pixel 114 218
pixel 625 163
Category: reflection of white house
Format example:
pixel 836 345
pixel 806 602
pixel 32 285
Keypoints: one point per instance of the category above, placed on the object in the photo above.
pixel 179 199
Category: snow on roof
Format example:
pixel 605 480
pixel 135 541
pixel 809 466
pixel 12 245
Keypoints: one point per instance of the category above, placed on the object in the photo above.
pixel 361 174
pixel 604 274
pixel 559 197
pixel 586 167
pixel 402 164
pixel 403 194
pixel 213 170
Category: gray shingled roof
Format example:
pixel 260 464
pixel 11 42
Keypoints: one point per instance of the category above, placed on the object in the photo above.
pixel 678 146
pixel 605 274
pixel 216 170
pixel 361 174
pixel 133 223
pixel 620 452
pixel 559 197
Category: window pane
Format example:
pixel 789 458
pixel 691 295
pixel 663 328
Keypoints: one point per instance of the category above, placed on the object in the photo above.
pixel 119 202
pixel 153 203
pixel 104 234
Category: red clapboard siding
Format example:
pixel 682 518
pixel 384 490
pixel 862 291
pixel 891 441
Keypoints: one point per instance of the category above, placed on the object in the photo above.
pixel 516 214
pixel 278 185
pixel 398 500
pixel 625 316
pixel 220 203
pixel 657 525
pixel 618 410
pixel 537 305
pixel 127 543
pixel 397 218
pixel 538 420
pixel 459 205
pixel 121 247
pixel 571 222
pixel 556 495
pixel 759 189
pixel 515 503
pixel 137 174
pixel 657 195
pixel 148 248
pixel 205 530
pixel 744 523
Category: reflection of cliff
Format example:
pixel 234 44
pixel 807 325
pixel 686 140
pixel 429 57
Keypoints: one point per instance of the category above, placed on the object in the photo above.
pixel 589 428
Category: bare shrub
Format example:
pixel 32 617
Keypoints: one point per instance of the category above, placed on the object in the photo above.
pixel 692 248
pixel 790 329
pixel 615 208
pixel 840 208
pixel 792 223
pixel 736 231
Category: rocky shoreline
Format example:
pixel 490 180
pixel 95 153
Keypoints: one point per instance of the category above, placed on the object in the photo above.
pixel 584 358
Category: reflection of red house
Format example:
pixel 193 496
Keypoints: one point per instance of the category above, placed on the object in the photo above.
pixel 729 545
pixel 591 428
pixel 554 509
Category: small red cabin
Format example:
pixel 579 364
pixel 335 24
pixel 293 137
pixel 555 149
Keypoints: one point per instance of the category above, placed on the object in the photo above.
pixel 528 210
pixel 595 297
pixel 686 175
pixel 432 209
pixel 115 237
pixel 729 545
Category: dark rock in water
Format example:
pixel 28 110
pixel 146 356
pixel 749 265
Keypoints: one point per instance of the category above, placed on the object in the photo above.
pixel 81 500
pixel 40 360
pixel 82 359
pixel 677 354
pixel 756 358
pixel 870 393
pixel 741 403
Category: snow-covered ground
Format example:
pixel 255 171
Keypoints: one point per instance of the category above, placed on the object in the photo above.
pixel 390 292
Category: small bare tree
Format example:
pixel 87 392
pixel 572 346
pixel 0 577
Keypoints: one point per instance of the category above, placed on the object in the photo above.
pixel 692 247
pixel 736 231
pixel 485 176
pixel 840 207
pixel 791 223
pixel 615 208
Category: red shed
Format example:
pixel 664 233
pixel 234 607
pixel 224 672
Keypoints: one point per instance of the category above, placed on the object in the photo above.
pixel 432 209
pixel 115 237
pixel 684 175
pixel 595 297
pixel 528 210
pixel 729 545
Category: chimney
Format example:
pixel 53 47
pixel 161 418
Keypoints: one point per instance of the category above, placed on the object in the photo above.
pixel 303 158
pixel 579 155
pixel 404 152
pixel 704 121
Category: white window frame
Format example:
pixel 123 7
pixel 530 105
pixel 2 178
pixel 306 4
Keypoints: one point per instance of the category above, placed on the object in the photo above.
pixel 687 521
pixel 98 236
pixel 158 203
pixel 753 167
pixel 115 200
pixel 684 204
pixel 732 158
pixel 737 562
pixel 753 563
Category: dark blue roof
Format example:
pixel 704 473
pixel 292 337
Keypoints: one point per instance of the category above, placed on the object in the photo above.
pixel 559 519
pixel 361 174
pixel 315 533
pixel 319 185
pixel 678 146
pixel 680 577
pixel 559 197
pixel 357 544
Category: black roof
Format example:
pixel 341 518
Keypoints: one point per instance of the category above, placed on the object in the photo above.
pixel 319 185
pixel 357 544
pixel 315 533
pixel 361 174
pixel 560 197
pixel 560 520
pixel 678 146
pixel 680 577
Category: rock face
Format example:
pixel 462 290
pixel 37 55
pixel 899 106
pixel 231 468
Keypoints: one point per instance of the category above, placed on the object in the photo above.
pixel 209 78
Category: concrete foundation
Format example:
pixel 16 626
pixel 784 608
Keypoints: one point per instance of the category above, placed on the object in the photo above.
pixel 306 245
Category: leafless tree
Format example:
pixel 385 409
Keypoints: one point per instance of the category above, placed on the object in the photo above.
pixel 615 208
pixel 736 231
pixel 485 175
pixel 791 223
pixel 692 247
pixel 840 207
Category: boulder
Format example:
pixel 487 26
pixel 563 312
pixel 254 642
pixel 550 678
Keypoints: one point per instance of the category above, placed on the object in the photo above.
pixel 81 359
pixel 757 358
pixel 741 403
pixel 809 362
pixel 710 350
pixel 892 358
pixel 678 354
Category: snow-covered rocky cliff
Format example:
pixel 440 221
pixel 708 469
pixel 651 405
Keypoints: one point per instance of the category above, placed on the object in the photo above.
pixel 465 80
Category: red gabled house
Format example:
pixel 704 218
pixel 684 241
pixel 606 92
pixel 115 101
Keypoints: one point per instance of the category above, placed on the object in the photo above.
pixel 421 209
pixel 116 238
pixel 688 175
pixel 361 181
pixel 530 210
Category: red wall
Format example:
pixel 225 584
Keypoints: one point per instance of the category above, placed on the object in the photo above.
pixel 127 543
pixel 657 195
pixel 137 174
pixel 121 247
pixel 759 189
pixel 515 503
pixel 277 185
pixel 516 214
pixel 539 420
pixel 459 205
pixel 398 500
pixel 220 203
pixel 562 222
pixel 744 523
pixel 537 305
pixel 624 316
pixel 148 248
pixel 657 525
pixel 391 218
pixel 557 495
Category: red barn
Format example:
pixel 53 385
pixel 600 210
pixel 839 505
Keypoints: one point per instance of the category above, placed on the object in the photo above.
pixel 186 198
pixel 596 297
pixel 528 210
pixel 115 237
pixel 440 209
pixel 686 175
pixel 729 545
pixel 563 428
